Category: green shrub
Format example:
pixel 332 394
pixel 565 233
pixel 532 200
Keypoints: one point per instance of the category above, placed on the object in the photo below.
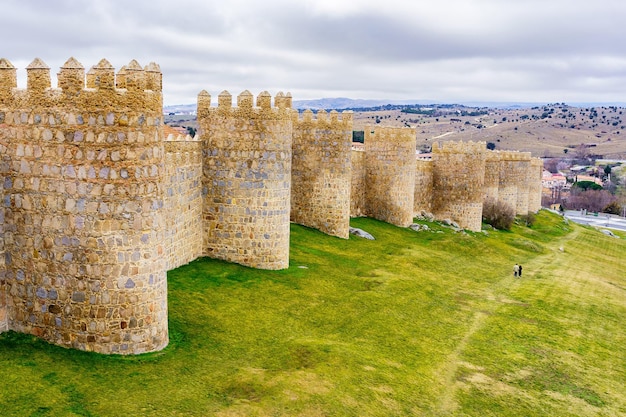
pixel 498 214
pixel 528 220
pixel 612 208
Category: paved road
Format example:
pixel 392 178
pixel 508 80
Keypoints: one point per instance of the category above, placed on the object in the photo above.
pixel 608 221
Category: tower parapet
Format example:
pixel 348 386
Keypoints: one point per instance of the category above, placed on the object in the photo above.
pixel 8 80
pixel 458 179
pixel 154 77
pixel 321 172
pixel 97 91
pixel 38 76
pixel 390 174
pixel 71 77
pixel 246 180
pixel 85 214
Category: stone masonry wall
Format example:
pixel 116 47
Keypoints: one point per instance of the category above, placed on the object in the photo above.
pixel 321 172
pixel 423 197
pixel 513 187
pixel 390 174
pixel 183 200
pixel 523 185
pixel 534 185
pixel 358 185
pixel 246 179
pixel 458 179
pixel 97 206
pixel 4 169
pixel 492 175
pixel 83 206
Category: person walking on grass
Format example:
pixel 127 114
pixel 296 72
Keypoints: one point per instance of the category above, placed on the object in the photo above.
pixel 516 270
pixel 520 271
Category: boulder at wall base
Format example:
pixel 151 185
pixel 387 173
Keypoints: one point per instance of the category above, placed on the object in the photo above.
pixel 419 227
pixel 361 233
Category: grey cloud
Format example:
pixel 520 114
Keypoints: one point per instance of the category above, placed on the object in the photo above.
pixel 449 50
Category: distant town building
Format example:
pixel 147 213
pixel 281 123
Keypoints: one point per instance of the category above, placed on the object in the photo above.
pixel 550 180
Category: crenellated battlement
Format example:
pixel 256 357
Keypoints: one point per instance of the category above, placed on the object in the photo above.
pixel 180 149
pixel 181 138
pixel 459 147
pixel 513 155
pixel 246 106
pixel 324 119
pixel 134 88
pixel 390 134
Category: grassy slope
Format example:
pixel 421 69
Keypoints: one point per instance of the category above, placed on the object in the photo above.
pixel 410 324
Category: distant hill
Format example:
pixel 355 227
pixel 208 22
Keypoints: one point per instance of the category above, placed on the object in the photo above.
pixel 180 109
pixel 342 103
pixel 316 104
pixel 546 130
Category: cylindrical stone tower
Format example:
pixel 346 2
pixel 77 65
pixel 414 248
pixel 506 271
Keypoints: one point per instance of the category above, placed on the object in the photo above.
pixel 321 172
pixel 458 179
pixel 390 174
pixel 246 179
pixel 84 222
pixel 513 187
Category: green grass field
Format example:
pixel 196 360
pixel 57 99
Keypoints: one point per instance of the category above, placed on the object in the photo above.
pixel 411 324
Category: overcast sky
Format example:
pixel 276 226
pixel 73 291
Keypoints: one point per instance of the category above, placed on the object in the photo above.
pixel 440 50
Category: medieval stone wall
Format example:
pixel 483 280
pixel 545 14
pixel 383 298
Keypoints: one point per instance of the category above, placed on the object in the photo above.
pixel 423 197
pixel 458 179
pixel 320 172
pixel 534 185
pixel 246 179
pixel 513 186
pixel 523 185
pixel 514 178
pixel 97 205
pixel 390 174
pixel 492 175
pixel 183 200
pixel 4 170
pixel 358 184
pixel 83 206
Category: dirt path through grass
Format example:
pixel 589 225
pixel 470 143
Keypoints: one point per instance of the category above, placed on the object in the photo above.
pixel 498 295
pixel 448 404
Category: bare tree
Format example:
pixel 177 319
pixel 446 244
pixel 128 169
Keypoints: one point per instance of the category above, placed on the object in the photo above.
pixel 551 165
pixel 582 152
pixel 591 200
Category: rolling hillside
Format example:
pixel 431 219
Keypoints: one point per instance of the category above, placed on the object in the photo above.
pixel 428 323
pixel 555 130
